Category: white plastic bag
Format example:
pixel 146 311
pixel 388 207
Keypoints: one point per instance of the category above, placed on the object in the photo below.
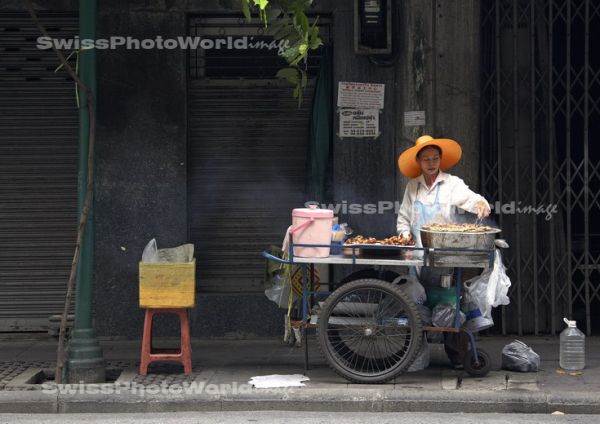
pixel 490 289
pixel 498 284
pixel 279 292
pixel 183 253
pixel 150 253
pixel 410 285
pixel 476 293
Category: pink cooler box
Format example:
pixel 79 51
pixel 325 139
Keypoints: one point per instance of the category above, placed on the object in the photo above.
pixel 311 226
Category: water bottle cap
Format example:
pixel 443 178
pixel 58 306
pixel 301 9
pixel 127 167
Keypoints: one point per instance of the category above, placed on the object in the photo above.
pixel 570 323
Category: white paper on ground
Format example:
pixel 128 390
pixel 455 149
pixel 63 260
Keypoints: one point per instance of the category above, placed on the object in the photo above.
pixel 277 380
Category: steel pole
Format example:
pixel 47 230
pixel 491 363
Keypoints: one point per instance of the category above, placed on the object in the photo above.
pixel 85 362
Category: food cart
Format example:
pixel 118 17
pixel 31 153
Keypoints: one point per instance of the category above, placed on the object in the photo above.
pixel 369 330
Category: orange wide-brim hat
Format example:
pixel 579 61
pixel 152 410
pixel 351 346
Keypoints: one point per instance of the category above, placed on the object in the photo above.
pixel 451 153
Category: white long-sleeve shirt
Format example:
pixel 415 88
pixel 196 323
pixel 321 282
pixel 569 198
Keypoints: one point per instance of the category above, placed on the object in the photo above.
pixel 453 193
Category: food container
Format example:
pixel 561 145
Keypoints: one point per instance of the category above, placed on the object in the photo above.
pixel 347 251
pixel 442 239
pixel 311 226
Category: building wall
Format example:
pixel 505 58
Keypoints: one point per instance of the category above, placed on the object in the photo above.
pixel 141 182
pixel 141 151
pixel 140 158
pixel 435 69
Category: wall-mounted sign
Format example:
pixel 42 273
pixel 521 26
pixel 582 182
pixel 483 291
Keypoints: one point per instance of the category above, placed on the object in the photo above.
pixel 360 95
pixel 359 123
pixel 414 118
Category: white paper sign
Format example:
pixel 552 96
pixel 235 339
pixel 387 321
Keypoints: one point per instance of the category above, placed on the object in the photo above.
pixel 360 95
pixel 414 118
pixel 359 123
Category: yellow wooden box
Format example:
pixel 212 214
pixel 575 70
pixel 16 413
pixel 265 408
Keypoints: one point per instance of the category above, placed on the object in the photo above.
pixel 167 285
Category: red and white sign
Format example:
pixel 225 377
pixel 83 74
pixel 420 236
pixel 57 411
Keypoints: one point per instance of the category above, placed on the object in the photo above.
pixel 360 95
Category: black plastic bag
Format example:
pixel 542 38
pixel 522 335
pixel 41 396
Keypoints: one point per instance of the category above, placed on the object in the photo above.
pixel 517 356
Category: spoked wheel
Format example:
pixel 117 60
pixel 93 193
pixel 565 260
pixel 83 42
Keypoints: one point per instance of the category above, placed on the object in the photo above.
pixel 369 331
pixel 479 368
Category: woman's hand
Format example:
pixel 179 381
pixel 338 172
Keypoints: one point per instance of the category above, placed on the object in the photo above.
pixel 483 210
pixel 405 236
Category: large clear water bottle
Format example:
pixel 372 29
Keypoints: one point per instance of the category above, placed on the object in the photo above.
pixel 572 347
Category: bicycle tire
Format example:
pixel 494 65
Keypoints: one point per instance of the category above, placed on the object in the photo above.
pixel 385 357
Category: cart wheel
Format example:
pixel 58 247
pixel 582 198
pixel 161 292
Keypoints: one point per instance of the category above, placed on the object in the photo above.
pixel 482 368
pixel 369 331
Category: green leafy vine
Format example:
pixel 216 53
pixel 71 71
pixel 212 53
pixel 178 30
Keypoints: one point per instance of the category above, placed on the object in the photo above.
pixel 287 22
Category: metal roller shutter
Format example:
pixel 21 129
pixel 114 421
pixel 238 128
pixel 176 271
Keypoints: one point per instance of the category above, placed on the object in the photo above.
pixel 38 172
pixel 247 153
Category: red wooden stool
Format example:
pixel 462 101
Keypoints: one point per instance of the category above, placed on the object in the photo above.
pixel 183 354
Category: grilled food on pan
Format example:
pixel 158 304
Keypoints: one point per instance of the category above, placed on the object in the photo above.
pixel 390 241
pixel 457 228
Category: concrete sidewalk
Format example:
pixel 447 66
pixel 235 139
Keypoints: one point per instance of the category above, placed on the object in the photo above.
pixel 222 369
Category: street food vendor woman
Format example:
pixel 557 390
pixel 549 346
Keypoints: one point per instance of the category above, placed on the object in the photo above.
pixel 432 194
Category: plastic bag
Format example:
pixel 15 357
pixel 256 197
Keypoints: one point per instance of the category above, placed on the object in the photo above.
pixel 410 285
pixel 476 294
pixel 490 289
pixel 150 253
pixel 277 280
pixel 425 314
pixel 422 360
pixel 498 284
pixel 443 315
pixel 435 337
pixel 517 356
pixel 183 253
pixel 279 292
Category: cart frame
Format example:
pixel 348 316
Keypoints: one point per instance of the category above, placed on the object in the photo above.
pixel 457 258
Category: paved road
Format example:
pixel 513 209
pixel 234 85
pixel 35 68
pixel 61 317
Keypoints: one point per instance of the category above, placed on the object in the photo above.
pixel 272 417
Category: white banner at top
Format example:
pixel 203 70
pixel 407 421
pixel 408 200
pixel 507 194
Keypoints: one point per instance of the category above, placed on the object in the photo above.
pixel 360 95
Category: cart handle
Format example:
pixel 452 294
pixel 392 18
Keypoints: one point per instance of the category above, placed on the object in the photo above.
pixel 270 257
